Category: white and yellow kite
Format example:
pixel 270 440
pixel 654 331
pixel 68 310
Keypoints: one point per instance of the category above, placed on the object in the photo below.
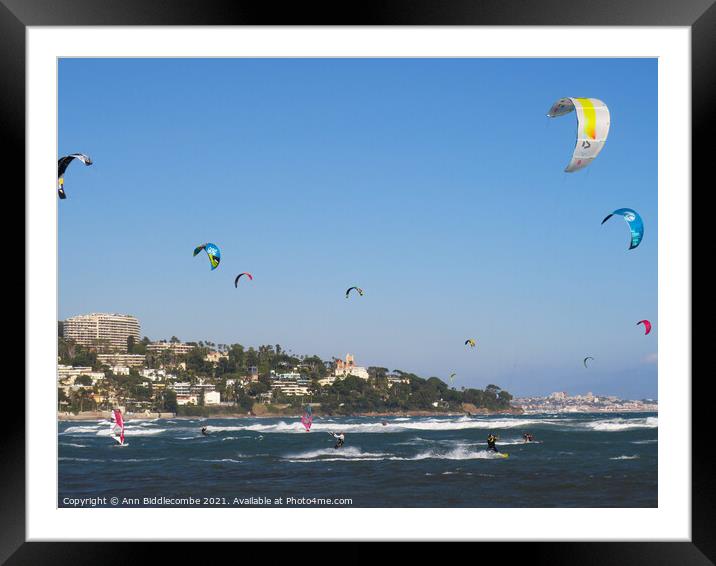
pixel 592 128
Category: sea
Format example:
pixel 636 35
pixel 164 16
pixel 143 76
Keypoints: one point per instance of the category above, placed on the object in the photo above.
pixel 575 460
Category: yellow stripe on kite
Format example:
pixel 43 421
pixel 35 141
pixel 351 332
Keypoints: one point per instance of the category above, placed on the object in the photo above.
pixel 590 117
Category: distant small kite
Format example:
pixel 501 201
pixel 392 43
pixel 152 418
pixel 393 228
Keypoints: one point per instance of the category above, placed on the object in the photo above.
pixel 236 281
pixel 348 291
pixel 647 326
pixel 585 361
pixel 471 342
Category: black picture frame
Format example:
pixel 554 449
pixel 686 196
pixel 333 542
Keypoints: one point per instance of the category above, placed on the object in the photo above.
pixel 17 15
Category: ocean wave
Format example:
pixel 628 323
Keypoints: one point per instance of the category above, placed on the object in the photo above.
pixel 355 454
pixel 73 445
pixel 634 457
pixel 82 429
pixel 459 453
pixel 335 454
pixel 129 432
pixel 615 425
pixel 644 441
pixel 377 427
pixel 512 441
pixel 139 459
pixel 65 458
pixel 103 429
pixel 216 461
pixel 417 441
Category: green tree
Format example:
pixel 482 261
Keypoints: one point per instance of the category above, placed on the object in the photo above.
pixel 170 401
pixel 83 380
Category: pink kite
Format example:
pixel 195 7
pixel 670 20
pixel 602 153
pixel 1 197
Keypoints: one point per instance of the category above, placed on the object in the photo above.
pixel 647 326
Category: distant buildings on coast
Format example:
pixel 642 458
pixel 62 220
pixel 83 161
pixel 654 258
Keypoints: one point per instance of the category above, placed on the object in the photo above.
pixel 561 402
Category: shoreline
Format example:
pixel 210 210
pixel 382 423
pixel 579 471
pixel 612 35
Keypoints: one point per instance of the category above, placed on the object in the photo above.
pixel 105 415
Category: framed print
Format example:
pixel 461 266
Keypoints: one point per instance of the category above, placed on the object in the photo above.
pixel 420 274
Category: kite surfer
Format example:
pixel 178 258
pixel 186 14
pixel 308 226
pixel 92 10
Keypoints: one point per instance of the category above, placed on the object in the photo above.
pixel 340 438
pixel 204 431
pixel 527 437
pixel 491 439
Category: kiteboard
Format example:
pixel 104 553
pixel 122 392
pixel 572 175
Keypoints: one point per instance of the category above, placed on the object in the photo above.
pixel 503 454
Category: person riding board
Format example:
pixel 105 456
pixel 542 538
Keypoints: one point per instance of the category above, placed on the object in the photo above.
pixel 340 438
pixel 204 431
pixel 527 437
pixel 491 439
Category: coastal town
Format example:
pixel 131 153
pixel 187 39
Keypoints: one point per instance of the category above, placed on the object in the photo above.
pixel 104 363
pixel 561 402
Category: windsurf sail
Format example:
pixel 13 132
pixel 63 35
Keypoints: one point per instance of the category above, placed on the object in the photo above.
pixel 117 426
pixel 307 418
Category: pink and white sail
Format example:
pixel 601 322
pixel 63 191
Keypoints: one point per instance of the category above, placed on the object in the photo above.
pixel 117 426
pixel 307 421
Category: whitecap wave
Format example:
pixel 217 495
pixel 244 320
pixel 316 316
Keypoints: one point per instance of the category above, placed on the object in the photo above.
pixel 129 432
pixel 624 457
pixel 86 429
pixel 459 453
pixel 391 426
pixel 217 460
pixel 139 459
pixel 334 454
pixel 619 424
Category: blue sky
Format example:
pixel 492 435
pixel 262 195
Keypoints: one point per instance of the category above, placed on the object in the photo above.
pixel 436 185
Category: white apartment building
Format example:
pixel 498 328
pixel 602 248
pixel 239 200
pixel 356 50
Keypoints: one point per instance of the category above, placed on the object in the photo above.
pixel 212 398
pixel 173 347
pixel 328 380
pixel 128 360
pixel 191 394
pixel 64 372
pixel 290 383
pixel 103 331
pixel 156 374
pixel 292 388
